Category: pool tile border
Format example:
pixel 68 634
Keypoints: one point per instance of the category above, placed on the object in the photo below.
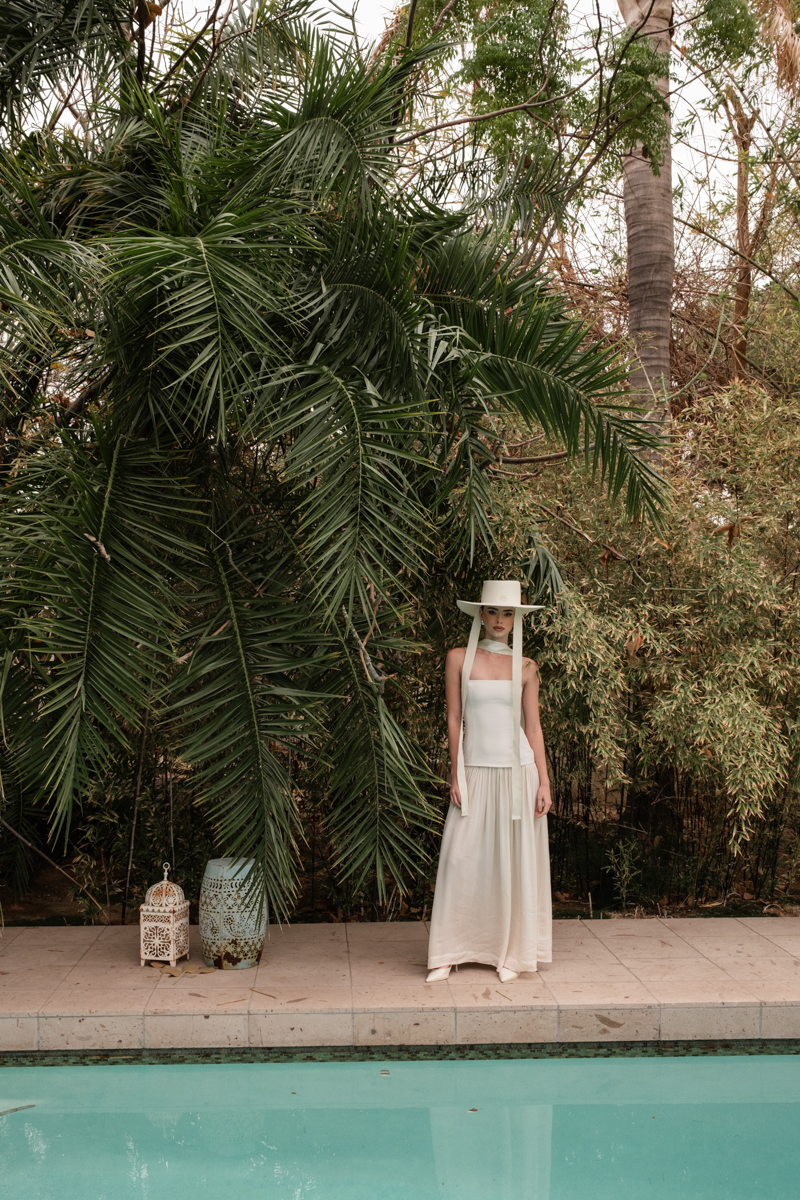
pixel 395 1053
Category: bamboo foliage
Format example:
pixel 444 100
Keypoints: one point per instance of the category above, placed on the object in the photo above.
pixel 669 668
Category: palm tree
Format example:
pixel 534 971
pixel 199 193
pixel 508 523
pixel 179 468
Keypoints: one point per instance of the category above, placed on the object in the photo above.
pixel 647 197
pixel 246 385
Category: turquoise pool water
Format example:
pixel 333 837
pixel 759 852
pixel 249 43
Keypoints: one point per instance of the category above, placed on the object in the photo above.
pixel 581 1129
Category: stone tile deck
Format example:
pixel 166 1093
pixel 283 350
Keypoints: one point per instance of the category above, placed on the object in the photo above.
pixel 363 985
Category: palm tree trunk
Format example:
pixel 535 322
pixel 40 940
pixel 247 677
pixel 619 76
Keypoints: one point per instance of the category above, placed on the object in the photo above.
pixel 651 247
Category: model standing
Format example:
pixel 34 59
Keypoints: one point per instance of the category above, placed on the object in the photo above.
pixel 492 901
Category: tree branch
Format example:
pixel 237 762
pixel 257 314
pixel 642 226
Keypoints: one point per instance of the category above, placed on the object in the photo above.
pixel 51 124
pixel 440 20
pixel 732 250
pixel 369 668
pixel 498 112
pixel 412 12
pixel 215 46
pixel 141 43
pixel 182 57
pixel 42 854
pixel 557 456
pixel 89 393
pixel 591 541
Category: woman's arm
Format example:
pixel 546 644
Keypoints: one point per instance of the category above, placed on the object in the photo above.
pixel 533 732
pixel 452 689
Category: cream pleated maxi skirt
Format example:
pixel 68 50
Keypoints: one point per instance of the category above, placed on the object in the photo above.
pixel 492 902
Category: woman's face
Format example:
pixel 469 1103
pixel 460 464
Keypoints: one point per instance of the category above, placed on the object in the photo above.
pixel 497 622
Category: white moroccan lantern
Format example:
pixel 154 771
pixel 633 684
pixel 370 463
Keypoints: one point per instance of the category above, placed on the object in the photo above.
pixel 164 922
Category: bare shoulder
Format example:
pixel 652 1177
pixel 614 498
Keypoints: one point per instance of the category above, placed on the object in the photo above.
pixel 530 667
pixel 456 656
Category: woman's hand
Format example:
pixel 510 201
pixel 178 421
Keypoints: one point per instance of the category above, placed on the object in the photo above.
pixel 544 801
pixel 455 794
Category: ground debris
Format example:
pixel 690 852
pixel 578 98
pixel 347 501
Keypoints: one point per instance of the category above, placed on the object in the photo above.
pixel 183 969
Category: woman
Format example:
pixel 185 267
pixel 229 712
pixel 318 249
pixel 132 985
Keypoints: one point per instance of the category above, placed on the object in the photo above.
pixel 492 901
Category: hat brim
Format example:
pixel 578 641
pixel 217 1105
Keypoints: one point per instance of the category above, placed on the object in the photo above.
pixel 469 606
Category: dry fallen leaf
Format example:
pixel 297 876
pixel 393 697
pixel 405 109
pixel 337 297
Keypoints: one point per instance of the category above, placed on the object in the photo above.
pixel 732 530
pixel 633 643
pixel 183 969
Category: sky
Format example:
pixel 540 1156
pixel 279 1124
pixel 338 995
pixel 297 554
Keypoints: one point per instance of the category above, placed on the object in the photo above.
pixel 371 18
pixel 371 15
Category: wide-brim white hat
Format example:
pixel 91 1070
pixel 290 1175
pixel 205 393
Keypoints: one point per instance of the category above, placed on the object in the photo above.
pixel 498 593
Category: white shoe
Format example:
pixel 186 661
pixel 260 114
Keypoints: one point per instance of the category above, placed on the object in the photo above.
pixel 437 973
pixel 507 976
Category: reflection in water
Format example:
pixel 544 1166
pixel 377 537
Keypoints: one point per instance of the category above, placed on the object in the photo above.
pixel 680 1129
pixel 502 1152
pixel 328 1154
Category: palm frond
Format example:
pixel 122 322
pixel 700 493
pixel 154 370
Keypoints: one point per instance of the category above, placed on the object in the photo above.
pixel 531 357
pixel 348 460
pixel 198 308
pixel 335 138
pixel 546 584
pixel 528 192
pixel 377 788
pixel 47 281
pixel 241 706
pixel 20 748
pixel 87 531
pixel 45 42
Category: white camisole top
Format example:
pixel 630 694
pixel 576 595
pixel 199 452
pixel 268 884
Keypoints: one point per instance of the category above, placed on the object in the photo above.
pixel 489 726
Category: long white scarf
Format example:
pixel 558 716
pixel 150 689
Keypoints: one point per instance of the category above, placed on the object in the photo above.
pixel 516 708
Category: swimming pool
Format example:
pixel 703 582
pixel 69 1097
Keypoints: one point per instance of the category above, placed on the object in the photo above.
pixel 559 1129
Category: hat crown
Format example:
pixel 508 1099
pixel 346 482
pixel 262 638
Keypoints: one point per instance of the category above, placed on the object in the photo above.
pixel 498 593
pixel 505 593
